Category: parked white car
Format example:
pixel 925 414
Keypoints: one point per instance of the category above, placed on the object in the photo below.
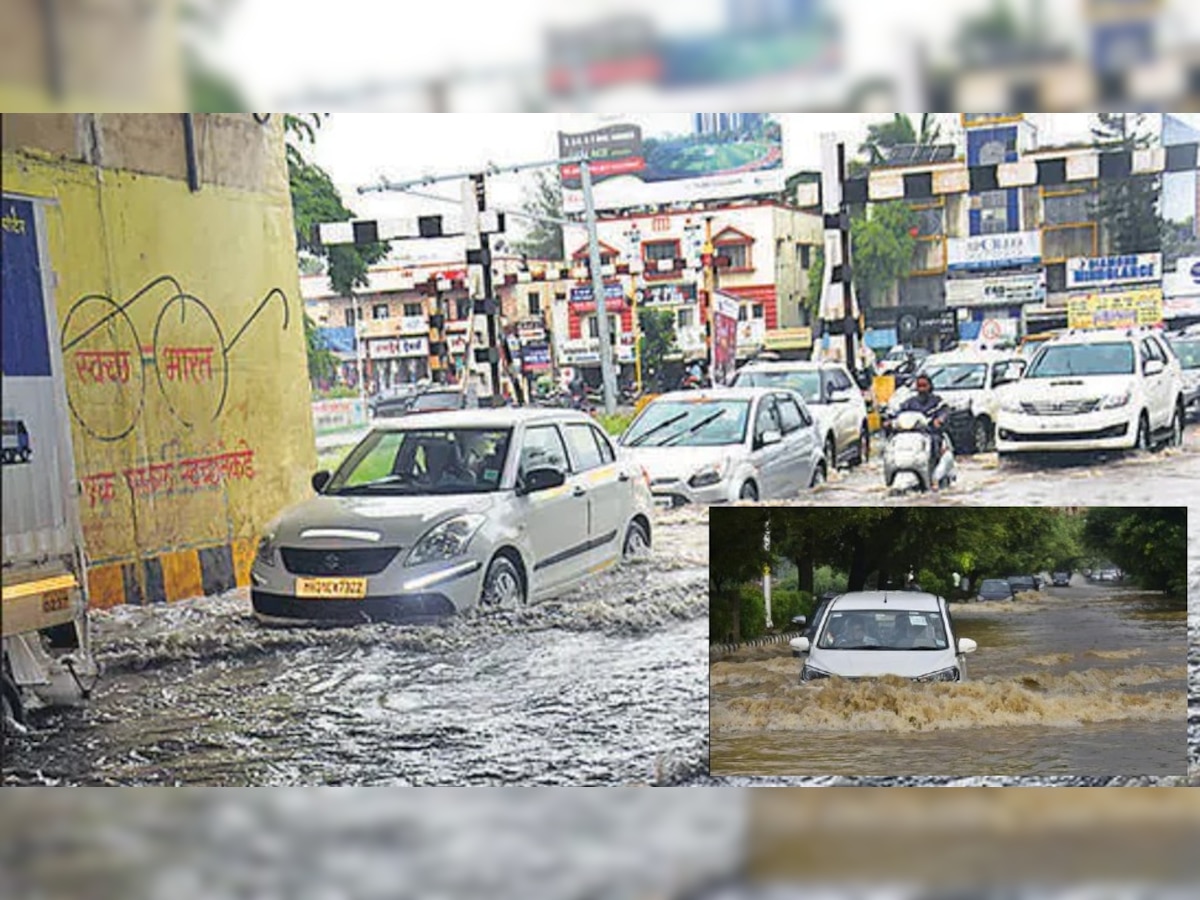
pixel 1095 390
pixel 725 445
pixel 870 634
pixel 971 379
pixel 831 395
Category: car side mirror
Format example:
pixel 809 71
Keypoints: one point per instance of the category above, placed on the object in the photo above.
pixel 799 621
pixel 320 479
pixel 800 644
pixel 769 437
pixel 1154 366
pixel 966 645
pixel 541 479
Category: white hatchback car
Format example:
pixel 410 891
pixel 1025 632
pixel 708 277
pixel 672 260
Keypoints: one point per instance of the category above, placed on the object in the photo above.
pixel 1095 390
pixel 831 395
pixel 870 634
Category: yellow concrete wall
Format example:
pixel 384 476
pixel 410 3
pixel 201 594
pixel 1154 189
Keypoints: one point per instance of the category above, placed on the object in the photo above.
pixel 181 322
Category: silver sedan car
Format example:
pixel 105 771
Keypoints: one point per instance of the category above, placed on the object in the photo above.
pixel 441 513
pixel 725 445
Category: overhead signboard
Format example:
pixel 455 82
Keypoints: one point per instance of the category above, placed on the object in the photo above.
pixel 1124 309
pixel 535 357
pixel 676 294
pixel 788 339
pixel 1104 271
pixel 398 347
pixel 1000 290
pixel 644 159
pixel 994 251
pixel 583 293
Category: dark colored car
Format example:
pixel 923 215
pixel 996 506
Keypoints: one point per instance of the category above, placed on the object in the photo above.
pixel 1061 579
pixel 991 589
pixel 438 401
pixel 394 399
pixel 1022 583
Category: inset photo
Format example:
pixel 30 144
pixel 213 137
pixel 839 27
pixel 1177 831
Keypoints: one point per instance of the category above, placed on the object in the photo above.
pixel 933 641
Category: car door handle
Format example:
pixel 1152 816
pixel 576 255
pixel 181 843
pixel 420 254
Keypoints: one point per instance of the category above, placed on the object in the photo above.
pixel 579 491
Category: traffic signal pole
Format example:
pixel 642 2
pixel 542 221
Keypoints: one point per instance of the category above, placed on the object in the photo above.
pixel 607 348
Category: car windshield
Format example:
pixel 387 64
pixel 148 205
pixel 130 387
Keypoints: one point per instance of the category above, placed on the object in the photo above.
pixel 422 462
pixel 805 383
pixel 437 400
pixel 1064 360
pixel 1188 353
pixel 689 423
pixel 1021 581
pixel 883 629
pixel 957 376
pixel 994 585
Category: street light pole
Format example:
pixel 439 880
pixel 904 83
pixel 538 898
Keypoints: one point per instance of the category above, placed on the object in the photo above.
pixel 358 356
pixel 606 349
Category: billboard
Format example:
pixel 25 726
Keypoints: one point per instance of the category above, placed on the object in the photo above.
pixel 1102 271
pixel 643 159
pixel 725 335
pixel 1002 290
pixel 1127 309
pixel 994 251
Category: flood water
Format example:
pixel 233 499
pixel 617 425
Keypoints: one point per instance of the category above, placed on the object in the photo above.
pixel 1085 680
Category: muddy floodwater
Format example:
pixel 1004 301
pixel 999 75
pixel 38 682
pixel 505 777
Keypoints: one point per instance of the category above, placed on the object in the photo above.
pixel 1085 680
pixel 592 688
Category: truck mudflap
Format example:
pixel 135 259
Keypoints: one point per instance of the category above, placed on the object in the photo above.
pixel 47 651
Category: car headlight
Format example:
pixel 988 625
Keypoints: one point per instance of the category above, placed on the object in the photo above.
pixel 710 474
pixel 445 540
pixel 950 674
pixel 808 673
pixel 1116 400
pixel 266 550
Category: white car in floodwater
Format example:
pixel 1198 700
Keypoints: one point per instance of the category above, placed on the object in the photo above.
pixel 870 634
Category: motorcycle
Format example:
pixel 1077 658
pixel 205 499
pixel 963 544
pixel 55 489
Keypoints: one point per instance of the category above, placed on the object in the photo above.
pixel 908 457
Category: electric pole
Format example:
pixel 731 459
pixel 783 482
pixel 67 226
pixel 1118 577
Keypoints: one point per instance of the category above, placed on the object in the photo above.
pixel 606 348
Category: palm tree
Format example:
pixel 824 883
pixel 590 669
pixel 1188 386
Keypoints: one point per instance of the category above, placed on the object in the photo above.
pixel 883 136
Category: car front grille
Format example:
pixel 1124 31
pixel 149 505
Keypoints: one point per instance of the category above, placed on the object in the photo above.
pixel 333 563
pixel 663 482
pixel 1113 431
pixel 1060 407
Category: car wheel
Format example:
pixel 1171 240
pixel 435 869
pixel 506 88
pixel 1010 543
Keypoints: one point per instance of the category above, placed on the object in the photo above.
pixel 503 587
pixel 748 492
pixel 982 434
pixel 637 541
pixel 1177 428
pixel 864 446
pixel 830 454
pixel 1143 434
pixel 818 477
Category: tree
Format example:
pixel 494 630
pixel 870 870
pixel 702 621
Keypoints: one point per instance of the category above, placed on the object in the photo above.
pixel 816 278
pixel 899 130
pixel 736 555
pixel 658 338
pixel 1149 543
pixel 315 199
pixel 1128 208
pixel 322 364
pixel 544 239
pixel 882 247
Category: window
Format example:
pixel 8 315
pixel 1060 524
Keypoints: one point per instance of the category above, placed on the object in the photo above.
pixel 462 307
pixel 739 255
pixel 757 311
pixel 1068 209
pixel 805 251
pixel 652 251
pixel 413 309
pixel 607 453
pixel 535 303
pixel 614 327
pixel 789 415
pixel 379 311
pixel 685 317
pixel 767 419
pixel 543 448
pixel 349 311
pixel 584 450
pixel 993 212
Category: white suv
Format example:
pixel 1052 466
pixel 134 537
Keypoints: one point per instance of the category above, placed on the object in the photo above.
pixel 1095 390
pixel 833 398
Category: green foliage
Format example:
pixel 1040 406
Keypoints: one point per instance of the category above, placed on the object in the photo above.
pixel 826 579
pixel 1148 543
pixel 544 240
pixel 786 604
pixel 816 275
pixel 315 199
pixel 753 614
pixel 883 136
pixel 322 364
pixel 882 248
pixel 736 557
pixel 658 339
pixel 1129 207
pixel 209 91
pixel 616 423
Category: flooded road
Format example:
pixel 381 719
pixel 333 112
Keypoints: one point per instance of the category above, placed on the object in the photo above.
pixel 588 689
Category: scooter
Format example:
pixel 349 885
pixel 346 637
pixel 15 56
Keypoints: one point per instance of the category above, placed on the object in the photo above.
pixel 907 457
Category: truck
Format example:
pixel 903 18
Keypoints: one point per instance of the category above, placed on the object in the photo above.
pixel 47 658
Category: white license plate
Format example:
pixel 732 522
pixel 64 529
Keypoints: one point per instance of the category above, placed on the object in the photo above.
pixel 331 588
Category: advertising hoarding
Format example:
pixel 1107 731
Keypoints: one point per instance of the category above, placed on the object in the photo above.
pixel 583 293
pixel 1006 290
pixel 398 347
pixel 535 357
pixel 676 294
pixel 647 159
pixel 1103 271
pixel 725 333
pixel 1126 309
pixel 994 251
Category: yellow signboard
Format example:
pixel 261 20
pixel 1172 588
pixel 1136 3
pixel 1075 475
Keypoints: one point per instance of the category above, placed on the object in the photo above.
pixel 1124 309
pixel 788 339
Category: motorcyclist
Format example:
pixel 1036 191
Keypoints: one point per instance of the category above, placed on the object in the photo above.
pixel 930 405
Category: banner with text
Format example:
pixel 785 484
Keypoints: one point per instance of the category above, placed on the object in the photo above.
pixel 1127 309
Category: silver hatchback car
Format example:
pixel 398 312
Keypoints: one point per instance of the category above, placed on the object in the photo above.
pixel 438 514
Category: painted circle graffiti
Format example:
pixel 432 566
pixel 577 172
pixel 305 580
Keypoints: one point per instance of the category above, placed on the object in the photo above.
pixel 190 360
pixel 105 374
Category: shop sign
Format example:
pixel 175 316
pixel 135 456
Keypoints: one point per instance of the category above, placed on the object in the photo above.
pixel 1104 271
pixel 1124 309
